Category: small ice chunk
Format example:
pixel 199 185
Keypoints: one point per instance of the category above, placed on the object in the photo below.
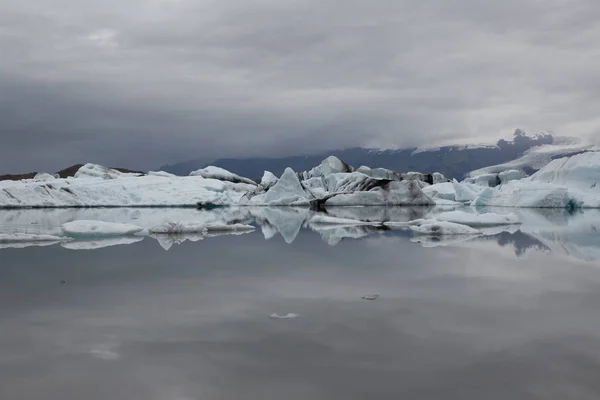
pixel 286 316
pixel 371 297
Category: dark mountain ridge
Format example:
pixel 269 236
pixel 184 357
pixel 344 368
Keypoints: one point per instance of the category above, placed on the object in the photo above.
pixel 452 161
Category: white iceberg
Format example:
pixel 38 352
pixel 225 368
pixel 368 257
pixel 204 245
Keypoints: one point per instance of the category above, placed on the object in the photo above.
pixel 99 172
pixel 287 191
pixel 569 182
pixel 162 174
pixel 330 165
pixel 268 179
pixel 221 174
pixel 138 191
pixel 98 229
pixel 43 177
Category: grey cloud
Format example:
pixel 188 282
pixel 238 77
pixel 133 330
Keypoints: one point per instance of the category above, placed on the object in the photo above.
pixel 143 83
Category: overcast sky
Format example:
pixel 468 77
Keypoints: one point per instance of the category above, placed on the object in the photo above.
pixel 140 83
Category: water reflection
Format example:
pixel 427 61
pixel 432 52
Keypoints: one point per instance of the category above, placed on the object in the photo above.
pixel 554 230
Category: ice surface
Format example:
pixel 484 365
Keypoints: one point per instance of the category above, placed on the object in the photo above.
pixel 463 193
pixel 444 191
pixel 221 174
pixel 161 173
pixel 479 220
pixel 43 177
pixel 268 179
pixel 142 191
pixel 536 157
pixel 395 193
pixel 99 172
pixel 581 172
pixel 330 165
pixel 98 229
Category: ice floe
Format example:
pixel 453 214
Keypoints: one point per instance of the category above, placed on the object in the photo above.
pixel 284 316
pixel 222 175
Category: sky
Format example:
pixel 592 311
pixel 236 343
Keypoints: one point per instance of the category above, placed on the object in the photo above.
pixel 142 83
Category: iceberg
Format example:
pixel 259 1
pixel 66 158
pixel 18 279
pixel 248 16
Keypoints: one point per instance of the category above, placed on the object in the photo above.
pixel 328 166
pixel 97 229
pixel 120 191
pixel 287 191
pixel 43 177
pixel 569 182
pixel 394 193
pixel 268 179
pixel 221 174
pixel 99 172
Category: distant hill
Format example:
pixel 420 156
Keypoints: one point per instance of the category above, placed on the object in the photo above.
pixel 452 161
pixel 63 173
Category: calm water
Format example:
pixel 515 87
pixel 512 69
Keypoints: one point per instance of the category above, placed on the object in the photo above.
pixel 512 315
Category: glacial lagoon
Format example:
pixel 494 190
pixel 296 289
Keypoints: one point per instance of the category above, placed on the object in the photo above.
pixel 509 313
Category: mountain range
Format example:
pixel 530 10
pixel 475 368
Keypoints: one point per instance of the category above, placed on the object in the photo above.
pixel 452 161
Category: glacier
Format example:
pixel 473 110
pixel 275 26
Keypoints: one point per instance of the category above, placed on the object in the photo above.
pixel 568 182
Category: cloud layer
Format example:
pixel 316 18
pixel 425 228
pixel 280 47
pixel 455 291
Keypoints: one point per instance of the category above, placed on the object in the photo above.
pixel 145 82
